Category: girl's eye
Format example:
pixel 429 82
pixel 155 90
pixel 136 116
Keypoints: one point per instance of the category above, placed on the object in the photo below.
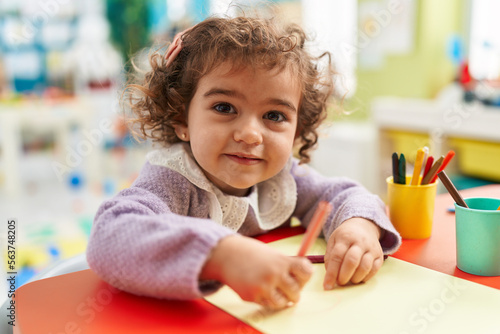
pixel 224 108
pixel 275 116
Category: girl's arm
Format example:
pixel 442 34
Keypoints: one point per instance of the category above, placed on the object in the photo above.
pixel 140 245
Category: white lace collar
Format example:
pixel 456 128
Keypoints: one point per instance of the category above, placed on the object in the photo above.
pixel 273 200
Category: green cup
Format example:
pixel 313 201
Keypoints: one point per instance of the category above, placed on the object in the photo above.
pixel 478 236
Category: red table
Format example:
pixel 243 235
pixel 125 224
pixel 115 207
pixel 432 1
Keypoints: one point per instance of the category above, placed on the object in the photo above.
pixel 81 303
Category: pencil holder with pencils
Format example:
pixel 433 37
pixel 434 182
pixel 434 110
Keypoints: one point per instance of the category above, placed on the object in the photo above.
pixel 411 208
pixel 411 197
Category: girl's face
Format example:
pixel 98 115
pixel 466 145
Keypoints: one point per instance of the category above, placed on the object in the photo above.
pixel 241 125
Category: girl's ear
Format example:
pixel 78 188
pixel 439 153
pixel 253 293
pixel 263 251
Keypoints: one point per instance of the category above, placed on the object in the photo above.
pixel 181 130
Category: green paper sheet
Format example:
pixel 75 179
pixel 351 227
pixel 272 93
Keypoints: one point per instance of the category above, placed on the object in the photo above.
pixel 401 298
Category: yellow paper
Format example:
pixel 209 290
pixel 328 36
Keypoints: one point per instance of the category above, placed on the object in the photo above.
pixel 401 298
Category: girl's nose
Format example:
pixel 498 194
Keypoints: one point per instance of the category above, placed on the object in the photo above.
pixel 249 132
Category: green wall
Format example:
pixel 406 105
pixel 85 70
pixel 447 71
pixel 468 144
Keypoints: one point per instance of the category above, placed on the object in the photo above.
pixel 421 73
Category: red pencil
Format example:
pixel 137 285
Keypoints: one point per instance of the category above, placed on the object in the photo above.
pixel 428 165
pixel 316 258
pixel 446 160
pixel 314 227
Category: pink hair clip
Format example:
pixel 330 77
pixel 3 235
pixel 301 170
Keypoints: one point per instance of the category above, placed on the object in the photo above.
pixel 175 47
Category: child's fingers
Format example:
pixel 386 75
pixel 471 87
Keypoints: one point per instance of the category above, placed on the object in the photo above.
pixel 290 284
pixel 364 268
pixel 301 269
pixel 287 287
pixel 333 263
pixel 290 288
pixel 377 264
pixel 275 300
pixel 350 264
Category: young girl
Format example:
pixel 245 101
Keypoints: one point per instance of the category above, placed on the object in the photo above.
pixel 229 100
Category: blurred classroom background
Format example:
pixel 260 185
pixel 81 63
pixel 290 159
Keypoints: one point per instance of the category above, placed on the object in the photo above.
pixel 413 73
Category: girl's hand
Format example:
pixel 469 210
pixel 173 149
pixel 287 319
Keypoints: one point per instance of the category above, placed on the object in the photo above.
pixel 256 272
pixel 353 253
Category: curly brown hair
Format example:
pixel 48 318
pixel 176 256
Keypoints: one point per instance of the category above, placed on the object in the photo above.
pixel 161 99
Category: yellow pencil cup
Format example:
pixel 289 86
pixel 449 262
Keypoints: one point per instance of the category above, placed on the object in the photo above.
pixel 411 208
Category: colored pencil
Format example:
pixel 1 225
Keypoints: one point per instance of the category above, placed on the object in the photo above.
pixel 428 165
pixel 446 161
pixel 424 161
pixel 395 168
pixel 402 169
pixel 418 166
pixel 316 258
pixel 432 171
pixel 451 189
pixel 314 227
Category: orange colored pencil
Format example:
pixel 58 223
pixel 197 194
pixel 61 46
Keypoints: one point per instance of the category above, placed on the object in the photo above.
pixel 446 160
pixel 314 227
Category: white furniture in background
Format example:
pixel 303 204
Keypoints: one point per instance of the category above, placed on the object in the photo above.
pixel 464 120
pixel 57 119
pixel 441 120
pixel 348 149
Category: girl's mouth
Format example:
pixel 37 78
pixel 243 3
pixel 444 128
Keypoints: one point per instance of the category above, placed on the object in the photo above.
pixel 244 159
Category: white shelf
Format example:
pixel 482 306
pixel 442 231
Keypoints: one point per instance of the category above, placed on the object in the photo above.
pixel 439 120
pixel 463 120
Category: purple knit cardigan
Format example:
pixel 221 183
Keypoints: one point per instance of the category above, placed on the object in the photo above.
pixel 153 238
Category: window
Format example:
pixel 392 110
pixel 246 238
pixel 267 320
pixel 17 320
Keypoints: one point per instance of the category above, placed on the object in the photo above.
pixel 484 43
pixel 334 24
